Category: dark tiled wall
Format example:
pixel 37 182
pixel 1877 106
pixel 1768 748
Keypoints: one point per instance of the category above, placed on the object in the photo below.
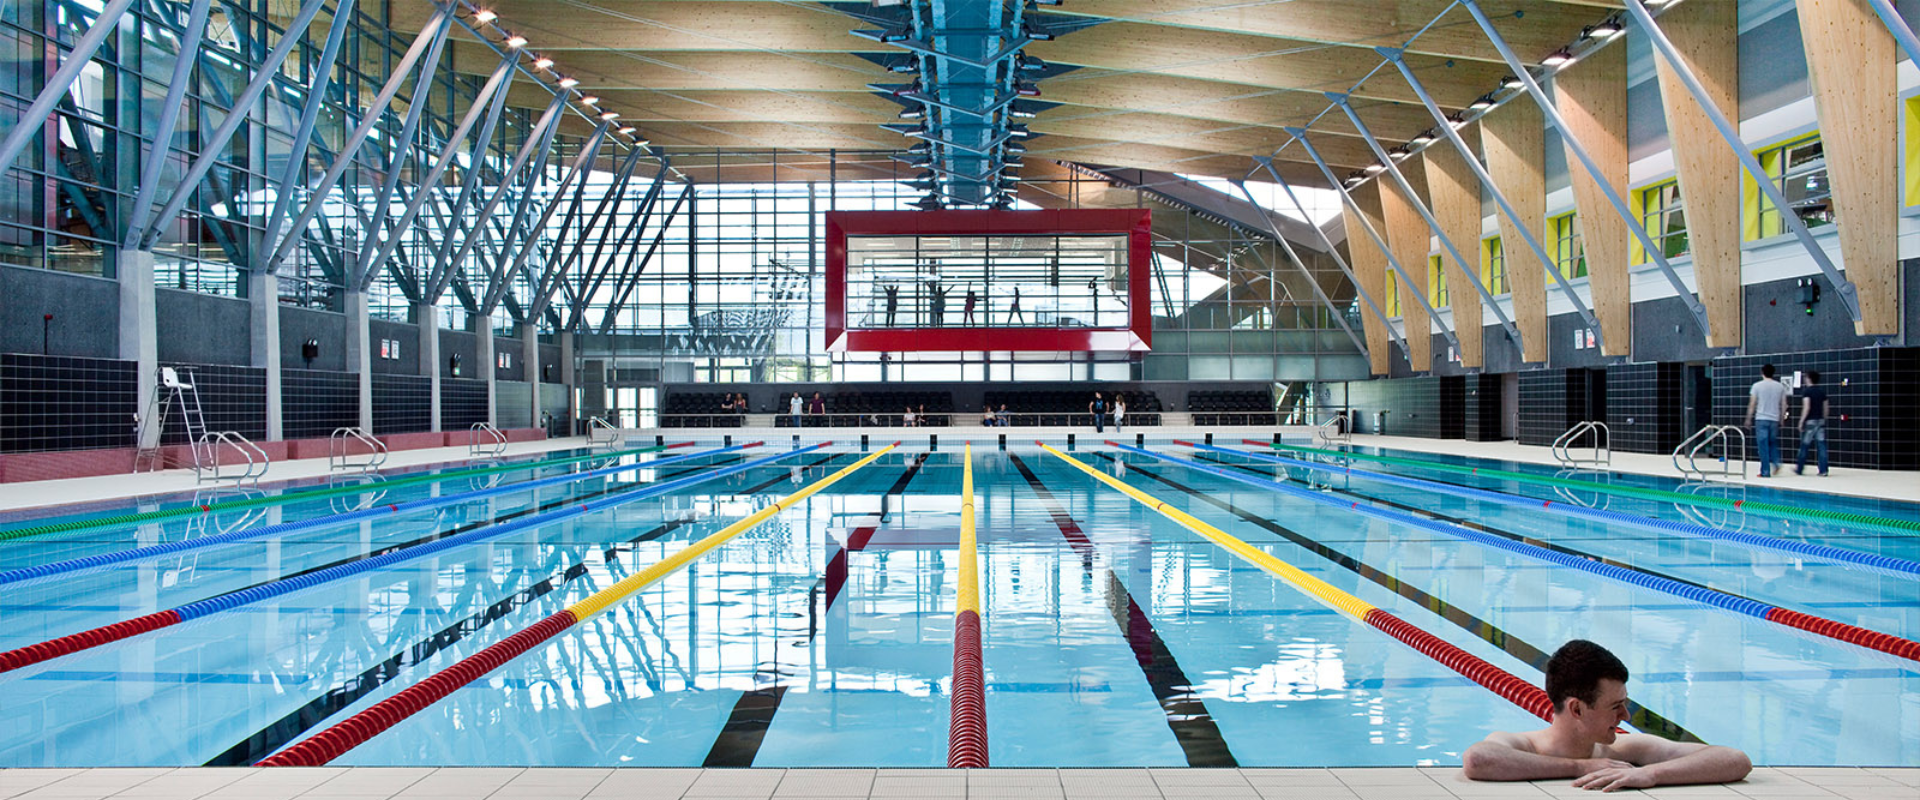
pixel 1482 408
pixel 402 404
pixel 1551 401
pixel 314 402
pixel 1900 425
pixel 1453 407
pixel 231 399
pixel 1854 381
pixel 1413 405
pixel 63 403
pixel 1645 407
pixel 462 403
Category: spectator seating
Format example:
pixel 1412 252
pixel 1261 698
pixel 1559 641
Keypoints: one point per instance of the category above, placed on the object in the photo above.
pixel 1231 408
pixel 876 409
pixel 698 410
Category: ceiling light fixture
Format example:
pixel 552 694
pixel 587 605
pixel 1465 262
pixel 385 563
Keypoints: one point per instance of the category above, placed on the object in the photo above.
pixel 1606 30
pixel 626 130
pixel 485 16
pixel 609 115
pixel 1558 59
pixel 589 99
pixel 542 62
pixel 515 42
pixel 1376 168
pixel 1511 82
pixel 567 82
pixel 1482 103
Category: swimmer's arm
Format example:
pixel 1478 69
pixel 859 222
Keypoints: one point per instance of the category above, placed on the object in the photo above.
pixel 1506 756
pixel 1668 762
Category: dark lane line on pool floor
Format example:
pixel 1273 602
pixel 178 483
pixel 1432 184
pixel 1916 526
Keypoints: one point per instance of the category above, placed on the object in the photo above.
pixel 277 734
pixel 1643 718
pixel 738 742
pixel 1187 716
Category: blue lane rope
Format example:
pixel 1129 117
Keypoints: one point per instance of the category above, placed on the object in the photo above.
pixel 149 552
pixel 1753 540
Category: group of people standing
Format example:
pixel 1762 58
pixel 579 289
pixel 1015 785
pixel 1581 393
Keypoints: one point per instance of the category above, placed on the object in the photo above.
pixel 937 305
pixel 1767 410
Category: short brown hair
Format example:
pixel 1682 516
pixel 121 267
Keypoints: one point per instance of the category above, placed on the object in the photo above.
pixel 1575 670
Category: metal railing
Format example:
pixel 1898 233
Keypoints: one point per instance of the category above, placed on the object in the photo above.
pixel 340 446
pixel 485 440
pixel 1703 440
pixel 1727 517
pixel 1567 443
pixel 601 433
pixel 253 461
pixel 347 503
pixel 1335 431
pixel 1597 499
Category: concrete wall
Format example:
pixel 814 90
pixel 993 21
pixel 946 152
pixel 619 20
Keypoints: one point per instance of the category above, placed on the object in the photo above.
pixel 197 328
pixel 86 313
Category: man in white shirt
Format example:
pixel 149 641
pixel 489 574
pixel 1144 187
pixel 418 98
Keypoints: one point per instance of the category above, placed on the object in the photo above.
pixel 1766 405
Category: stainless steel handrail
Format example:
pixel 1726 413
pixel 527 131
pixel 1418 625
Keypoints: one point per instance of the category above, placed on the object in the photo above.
pixel 339 450
pixel 1332 432
pixel 1725 436
pixel 256 458
pixel 595 426
pixel 485 440
pixel 1602 444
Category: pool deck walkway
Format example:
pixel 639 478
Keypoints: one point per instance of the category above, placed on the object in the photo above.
pixel 427 783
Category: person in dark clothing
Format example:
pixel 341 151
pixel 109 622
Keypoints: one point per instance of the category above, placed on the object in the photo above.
pixel 939 303
pixel 1098 408
pixel 967 310
pixel 1814 408
pixel 893 301
pixel 1014 312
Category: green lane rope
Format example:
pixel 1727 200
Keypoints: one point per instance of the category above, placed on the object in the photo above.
pixel 1761 508
pixel 294 496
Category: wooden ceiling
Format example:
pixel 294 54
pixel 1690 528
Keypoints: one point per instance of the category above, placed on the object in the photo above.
pixel 1192 86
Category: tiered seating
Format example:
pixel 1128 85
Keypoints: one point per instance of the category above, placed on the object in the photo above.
pixel 1069 406
pixel 1231 408
pixel 698 410
pixel 875 409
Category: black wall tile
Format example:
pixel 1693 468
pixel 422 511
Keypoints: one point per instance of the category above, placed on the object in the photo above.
pixel 314 402
pixel 66 403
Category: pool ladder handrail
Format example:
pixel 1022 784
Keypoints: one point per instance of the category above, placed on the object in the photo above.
pixel 595 427
pixel 1600 499
pixel 1718 517
pixel 1602 444
pixel 1706 437
pixel 339 447
pixel 1333 432
pixel 206 458
pixel 485 440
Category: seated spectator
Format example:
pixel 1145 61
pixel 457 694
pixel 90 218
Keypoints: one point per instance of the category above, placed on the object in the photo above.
pixel 907 420
pixel 987 419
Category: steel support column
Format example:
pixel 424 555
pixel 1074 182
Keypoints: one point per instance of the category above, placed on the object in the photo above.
pixel 1378 241
pixel 1445 126
pixel 1413 199
pixel 60 81
pixel 490 101
pixel 1334 251
pixel 183 63
pixel 1620 207
pixel 1664 46
pixel 309 117
pixel 368 262
pixel 539 139
pixel 637 223
pixel 1340 317
pixel 632 279
pixel 216 143
pixel 434 31
pixel 519 238
pixel 553 274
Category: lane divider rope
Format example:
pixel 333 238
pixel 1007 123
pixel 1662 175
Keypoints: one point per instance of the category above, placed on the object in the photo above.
pixel 103 560
pixel 329 744
pixel 88 639
pixel 1758 507
pixel 1821 551
pixel 967 724
pixel 299 495
pixel 1513 688
pixel 1833 629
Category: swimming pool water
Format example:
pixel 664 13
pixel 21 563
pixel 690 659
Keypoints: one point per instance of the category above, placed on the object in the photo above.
pixel 823 637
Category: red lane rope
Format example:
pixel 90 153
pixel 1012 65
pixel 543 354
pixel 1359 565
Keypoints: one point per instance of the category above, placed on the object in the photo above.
pixel 1515 689
pixel 1884 642
pixel 329 744
pixel 74 643
pixel 967 728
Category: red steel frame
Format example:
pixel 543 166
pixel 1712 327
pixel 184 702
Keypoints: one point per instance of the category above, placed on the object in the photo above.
pixel 1135 223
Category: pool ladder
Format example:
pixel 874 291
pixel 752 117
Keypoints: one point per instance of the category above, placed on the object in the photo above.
pixel 1564 446
pixel 207 464
pixel 341 455
pixel 485 440
pixel 1333 432
pixel 1703 440
pixel 601 433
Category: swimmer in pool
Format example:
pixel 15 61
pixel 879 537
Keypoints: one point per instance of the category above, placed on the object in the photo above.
pixel 1588 687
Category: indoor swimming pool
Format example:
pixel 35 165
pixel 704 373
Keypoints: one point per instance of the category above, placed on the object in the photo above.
pixel 222 628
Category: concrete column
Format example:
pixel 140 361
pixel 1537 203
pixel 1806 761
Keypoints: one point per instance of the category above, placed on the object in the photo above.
pixel 530 364
pixel 489 367
pixel 139 334
pixel 567 374
pixel 360 354
pixel 263 292
pixel 430 365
